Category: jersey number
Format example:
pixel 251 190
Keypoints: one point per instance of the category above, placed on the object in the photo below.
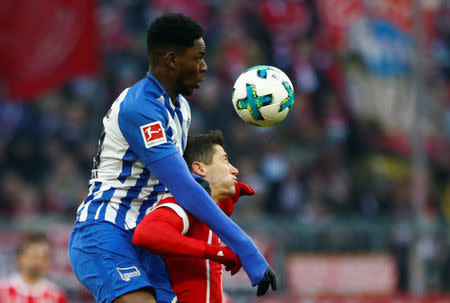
pixel 96 161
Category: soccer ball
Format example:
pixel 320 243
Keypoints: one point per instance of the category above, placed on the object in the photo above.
pixel 263 95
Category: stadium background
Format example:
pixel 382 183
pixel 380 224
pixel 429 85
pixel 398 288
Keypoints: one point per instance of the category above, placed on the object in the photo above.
pixel 353 188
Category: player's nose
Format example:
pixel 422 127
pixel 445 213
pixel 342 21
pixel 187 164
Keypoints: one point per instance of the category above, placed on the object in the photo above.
pixel 203 66
pixel 234 170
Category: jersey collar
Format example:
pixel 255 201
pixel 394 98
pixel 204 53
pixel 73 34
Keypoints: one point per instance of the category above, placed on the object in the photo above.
pixel 163 91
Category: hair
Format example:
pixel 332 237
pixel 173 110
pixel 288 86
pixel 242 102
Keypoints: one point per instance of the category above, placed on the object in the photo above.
pixel 200 147
pixel 172 32
pixel 31 238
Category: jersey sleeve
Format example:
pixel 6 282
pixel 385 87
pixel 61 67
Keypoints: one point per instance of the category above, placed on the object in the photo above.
pixel 145 127
pixel 4 291
pixel 160 232
pixel 180 213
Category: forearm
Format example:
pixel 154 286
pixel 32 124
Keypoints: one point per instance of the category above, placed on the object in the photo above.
pixel 163 239
pixel 160 232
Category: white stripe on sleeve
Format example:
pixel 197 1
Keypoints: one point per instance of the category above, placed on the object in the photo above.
pixel 180 212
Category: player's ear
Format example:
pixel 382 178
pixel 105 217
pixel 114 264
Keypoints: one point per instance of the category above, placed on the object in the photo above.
pixel 198 168
pixel 171 59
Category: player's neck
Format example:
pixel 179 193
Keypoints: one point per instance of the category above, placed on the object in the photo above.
pixel 217 196
pixel 29 279
pixel 166 81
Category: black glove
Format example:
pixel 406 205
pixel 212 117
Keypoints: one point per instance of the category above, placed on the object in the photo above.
pixel 202 182
pixel 268 279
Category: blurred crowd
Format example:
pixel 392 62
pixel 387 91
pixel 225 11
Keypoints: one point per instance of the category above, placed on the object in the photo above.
pixel 325 161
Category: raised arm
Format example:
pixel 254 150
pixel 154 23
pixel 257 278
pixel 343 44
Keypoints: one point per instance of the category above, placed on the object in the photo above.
pixel 164 160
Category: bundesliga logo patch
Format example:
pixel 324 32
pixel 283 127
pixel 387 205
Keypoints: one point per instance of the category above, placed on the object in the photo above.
pixel 153 134
pixel 126 273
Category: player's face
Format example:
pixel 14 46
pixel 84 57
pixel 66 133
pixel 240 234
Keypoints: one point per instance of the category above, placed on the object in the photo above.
pixel 34 260
pixel 191 68
pixel 221 175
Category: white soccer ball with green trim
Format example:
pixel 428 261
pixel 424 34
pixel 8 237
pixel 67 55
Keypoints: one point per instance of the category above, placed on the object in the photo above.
pixel 263 95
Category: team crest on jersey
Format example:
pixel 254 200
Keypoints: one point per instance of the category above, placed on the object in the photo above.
pixel 126 273
pixel 153 134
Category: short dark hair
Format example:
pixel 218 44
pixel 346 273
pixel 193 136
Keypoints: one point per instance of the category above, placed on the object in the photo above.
pixel 200 147
pixel 31 238
pixel 172 32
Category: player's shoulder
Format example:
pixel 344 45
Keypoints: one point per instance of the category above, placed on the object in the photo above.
pixel 171 203
pixel 4 283
pixel 11 281
pixel 142 96
pixel 52 287
pixel 167 200
pixel 16 283
pixel 183 100
pixel 5 288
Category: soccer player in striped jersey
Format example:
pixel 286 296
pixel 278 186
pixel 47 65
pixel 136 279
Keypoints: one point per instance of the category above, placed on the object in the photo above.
pixel 29 284
pixel 139 162
pixel 192 252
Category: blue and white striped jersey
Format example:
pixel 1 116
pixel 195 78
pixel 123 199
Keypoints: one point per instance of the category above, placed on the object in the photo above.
pixel 141 127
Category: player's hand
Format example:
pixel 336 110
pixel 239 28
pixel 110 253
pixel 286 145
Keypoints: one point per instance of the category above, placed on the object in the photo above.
pixel 233 269
pixel 223 255
pixel 269 279
pixel 242 189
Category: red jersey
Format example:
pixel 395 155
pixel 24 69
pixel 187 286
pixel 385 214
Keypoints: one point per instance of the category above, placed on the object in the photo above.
pixel 194 280
pixel 185 245
pixel 15 290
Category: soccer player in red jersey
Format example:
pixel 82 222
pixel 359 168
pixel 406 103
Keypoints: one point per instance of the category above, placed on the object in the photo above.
pixel 192 252
pixel 29 284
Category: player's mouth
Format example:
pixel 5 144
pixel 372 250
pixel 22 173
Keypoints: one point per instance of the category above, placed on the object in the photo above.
pixel 200 81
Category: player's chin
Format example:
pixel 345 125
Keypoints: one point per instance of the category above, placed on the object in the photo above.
pixel 196 86
pixel 188 91
pixel 232 189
